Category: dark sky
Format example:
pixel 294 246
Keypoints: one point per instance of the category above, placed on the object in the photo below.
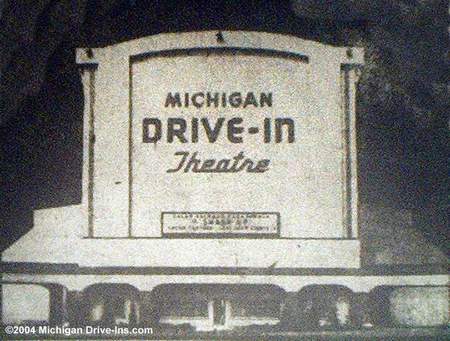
pixel 403 133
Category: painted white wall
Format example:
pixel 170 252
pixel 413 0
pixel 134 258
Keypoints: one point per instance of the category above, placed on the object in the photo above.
pixel 304 180
pixel 307 189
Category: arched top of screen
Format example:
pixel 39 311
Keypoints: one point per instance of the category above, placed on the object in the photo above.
pixel 223 42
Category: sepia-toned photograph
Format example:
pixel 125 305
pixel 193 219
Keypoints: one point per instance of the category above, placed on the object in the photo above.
pixel 224 170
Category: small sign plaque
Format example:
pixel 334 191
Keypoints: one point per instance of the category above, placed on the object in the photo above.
pixel 220 223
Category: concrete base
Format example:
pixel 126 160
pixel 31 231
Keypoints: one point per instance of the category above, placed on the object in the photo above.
pixel 305 302
pixel 58 237
pixel 286 282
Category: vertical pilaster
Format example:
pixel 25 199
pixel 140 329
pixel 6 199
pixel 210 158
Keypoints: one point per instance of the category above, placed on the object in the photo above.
pixel 111 149
pixel 349 77
pixel 88 79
